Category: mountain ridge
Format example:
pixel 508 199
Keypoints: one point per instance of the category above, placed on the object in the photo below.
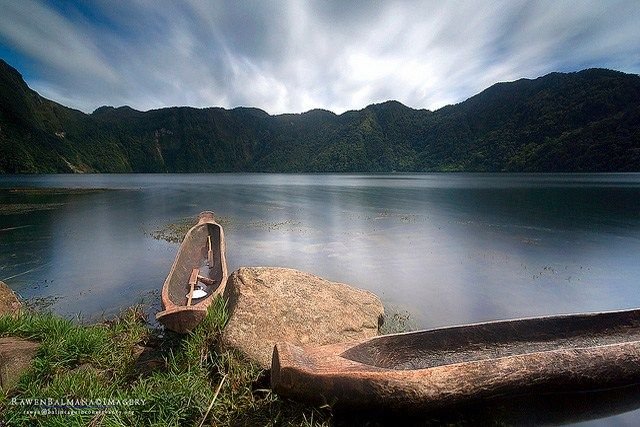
pixel 580 121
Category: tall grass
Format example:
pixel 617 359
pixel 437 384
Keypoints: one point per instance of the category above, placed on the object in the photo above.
pixel 177 388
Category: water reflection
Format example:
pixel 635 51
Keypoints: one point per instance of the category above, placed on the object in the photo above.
pixel 448 248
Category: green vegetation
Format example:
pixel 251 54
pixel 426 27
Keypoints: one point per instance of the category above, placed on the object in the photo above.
pixel 169 380
pixel 174 232
pixel 584 121
pixel 25 200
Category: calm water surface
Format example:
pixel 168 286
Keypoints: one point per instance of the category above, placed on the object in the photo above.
pixel 446 248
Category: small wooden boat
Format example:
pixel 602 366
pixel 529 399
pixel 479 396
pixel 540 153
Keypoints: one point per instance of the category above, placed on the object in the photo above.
pixel 198 274
pixel 456 366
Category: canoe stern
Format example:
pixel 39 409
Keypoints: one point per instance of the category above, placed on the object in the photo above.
pixel 181 319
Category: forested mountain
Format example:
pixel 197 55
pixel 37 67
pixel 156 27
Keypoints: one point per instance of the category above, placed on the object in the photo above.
pixel 584 121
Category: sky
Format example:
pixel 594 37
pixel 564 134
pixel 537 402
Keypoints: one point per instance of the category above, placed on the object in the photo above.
pixel 292 56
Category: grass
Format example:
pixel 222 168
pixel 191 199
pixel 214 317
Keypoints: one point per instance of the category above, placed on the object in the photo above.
pixel 21 208
pixel 16 201
pixel 56 191
pixel 175 231
pixel 153 378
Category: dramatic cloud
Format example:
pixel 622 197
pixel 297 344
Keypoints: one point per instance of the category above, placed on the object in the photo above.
pixel 294 55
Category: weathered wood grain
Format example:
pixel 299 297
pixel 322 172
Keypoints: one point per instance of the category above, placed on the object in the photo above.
pixel 435 369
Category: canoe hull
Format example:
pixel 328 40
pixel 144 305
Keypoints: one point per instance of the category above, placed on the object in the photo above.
pixel 182 319
pixel 329 375
pixel 201 241
pixel 456 385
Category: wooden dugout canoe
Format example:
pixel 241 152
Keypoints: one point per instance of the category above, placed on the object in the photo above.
pixel 455 366
pixel 200 262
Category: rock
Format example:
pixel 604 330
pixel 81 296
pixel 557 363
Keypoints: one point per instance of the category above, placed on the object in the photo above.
pixel 268 305
pixel 9 303
pixel 16 355
pixel 148 359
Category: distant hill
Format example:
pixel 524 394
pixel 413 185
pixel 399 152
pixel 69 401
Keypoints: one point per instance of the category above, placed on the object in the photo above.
pixel 583 121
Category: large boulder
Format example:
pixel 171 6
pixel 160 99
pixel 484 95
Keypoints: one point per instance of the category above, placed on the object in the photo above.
pixel 9 303
pixel 16 356
pixel 268 305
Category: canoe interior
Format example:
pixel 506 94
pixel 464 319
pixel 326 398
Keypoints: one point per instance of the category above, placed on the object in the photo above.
pixel 193 254
pixel 427 349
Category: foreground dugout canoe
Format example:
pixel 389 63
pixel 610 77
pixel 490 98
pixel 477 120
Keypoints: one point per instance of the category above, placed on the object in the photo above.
pixel 455 366
pixel 200 266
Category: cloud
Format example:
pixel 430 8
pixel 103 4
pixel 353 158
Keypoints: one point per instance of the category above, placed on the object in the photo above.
pixel 41 33
pixel 294 55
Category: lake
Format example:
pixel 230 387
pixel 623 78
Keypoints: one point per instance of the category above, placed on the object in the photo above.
pixel 445 249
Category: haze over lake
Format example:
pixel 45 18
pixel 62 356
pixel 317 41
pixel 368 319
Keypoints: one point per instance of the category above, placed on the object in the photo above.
pixel 445 248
